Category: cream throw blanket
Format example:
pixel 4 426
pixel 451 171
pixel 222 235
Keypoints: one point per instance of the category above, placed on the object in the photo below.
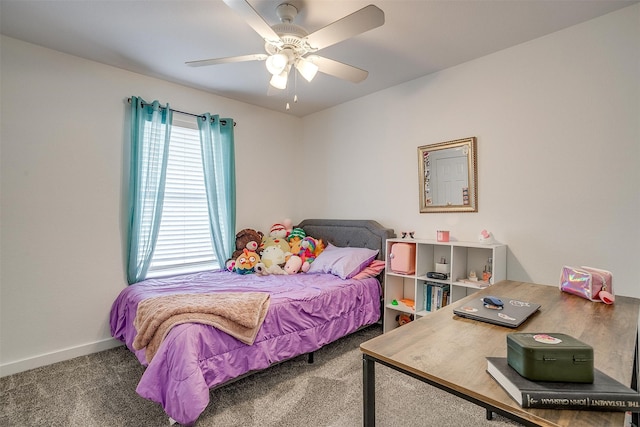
pixel 239 314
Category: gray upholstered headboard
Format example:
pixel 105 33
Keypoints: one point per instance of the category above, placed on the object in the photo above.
pixel 349 232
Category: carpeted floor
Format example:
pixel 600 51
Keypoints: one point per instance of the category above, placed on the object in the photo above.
pixel 99 390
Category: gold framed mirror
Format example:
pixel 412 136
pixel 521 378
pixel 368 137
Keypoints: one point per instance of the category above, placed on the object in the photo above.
pixel 448 176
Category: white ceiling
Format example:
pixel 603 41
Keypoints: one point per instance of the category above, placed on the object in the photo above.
pixel 155 38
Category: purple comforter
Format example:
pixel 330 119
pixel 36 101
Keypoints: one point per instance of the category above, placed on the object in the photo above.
pixel 306 312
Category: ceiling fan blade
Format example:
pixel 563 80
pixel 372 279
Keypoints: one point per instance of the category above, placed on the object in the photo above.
pixel 255 21
pixel 338 69
pixel 358 22
pixel 228 60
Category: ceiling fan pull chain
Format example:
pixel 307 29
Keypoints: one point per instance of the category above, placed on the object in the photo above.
pixel 295 88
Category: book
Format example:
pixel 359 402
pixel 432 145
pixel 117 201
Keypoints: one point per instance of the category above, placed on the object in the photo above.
pixel 443 291
pixel 436 295
pixel 427 298
pixel 604 394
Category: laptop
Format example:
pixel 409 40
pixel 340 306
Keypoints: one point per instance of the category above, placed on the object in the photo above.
pixel 512 314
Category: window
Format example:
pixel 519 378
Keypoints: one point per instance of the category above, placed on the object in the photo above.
pixel 184 239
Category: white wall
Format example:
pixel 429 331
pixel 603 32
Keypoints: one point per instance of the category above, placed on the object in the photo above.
pixel 62 175
pixel 558 127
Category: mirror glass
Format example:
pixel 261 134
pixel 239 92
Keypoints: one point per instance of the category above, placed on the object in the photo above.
pixel 448 176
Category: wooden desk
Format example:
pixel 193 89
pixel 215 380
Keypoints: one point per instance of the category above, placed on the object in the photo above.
pixel 449 352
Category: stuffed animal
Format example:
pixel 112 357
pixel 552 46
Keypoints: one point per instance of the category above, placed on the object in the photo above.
pixel 277 237
pixel 293 264
pixel 247 238
pixel 230 265
pixel 262 270
pixel 295 240
pixel 288 225
pixel 274 255
pixel 278 231
pixel 403 318
pixel 319 247
pixel 307 252
pixel 246 262
pixel 486 237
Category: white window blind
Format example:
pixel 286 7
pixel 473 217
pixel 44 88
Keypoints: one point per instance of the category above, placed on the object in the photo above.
pixel 184 240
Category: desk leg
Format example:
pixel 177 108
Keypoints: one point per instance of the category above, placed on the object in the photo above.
pixel 368 391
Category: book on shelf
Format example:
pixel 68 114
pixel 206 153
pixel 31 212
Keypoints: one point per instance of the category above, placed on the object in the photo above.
pixel 436 295
pixel 604 394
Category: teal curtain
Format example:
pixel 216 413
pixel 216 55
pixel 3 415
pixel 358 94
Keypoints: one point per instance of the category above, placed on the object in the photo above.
pixel 218 161
pixel 150 135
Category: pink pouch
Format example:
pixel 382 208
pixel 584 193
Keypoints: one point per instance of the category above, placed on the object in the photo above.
pixel 593 284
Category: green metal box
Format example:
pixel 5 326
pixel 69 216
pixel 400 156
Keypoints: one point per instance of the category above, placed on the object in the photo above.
pixel 550 357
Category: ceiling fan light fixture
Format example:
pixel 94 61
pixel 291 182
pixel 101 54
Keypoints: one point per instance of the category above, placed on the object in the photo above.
pixel 287 44
pixel 279 81
pixel 307 68
pixel 277 63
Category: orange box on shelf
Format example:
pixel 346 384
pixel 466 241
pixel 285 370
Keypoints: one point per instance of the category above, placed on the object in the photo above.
pixel 403 258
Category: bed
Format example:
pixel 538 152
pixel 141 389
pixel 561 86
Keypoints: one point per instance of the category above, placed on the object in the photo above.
pixel 300 314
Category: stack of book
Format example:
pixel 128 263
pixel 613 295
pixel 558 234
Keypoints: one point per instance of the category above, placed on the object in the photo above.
pixel 604 394
pixel 436 295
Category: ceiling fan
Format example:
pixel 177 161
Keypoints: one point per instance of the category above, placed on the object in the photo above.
pixel 289 45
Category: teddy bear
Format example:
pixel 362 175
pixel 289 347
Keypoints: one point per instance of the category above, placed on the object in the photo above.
pixel 246 238
pixel 404 318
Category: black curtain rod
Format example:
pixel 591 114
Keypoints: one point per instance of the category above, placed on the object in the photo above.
pixel 223 122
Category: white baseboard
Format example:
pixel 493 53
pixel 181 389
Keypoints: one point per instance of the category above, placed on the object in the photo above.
pixel 57 356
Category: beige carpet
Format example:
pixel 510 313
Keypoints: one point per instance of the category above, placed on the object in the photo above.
pixel 99 390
